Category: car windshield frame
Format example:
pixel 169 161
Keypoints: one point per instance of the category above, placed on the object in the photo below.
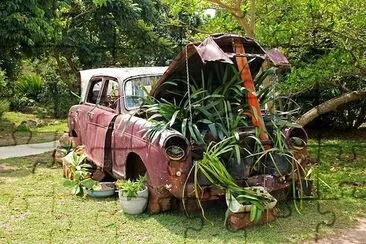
pixel 129 108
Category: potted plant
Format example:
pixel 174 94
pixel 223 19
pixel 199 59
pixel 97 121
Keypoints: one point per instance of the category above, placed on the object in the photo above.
pixel 133 195
pixel 214 170
pixel 102 189
pixel 79 174
pixel 238 207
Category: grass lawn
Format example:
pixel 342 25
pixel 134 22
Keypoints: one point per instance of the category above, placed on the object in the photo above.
pixel 50 130
pixel 36 208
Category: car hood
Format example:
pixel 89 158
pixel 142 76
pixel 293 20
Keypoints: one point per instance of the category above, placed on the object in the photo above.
pixel 218 48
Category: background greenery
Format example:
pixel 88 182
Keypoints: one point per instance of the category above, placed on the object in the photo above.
pixel 50 41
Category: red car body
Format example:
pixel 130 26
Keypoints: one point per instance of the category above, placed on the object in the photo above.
pixel 114 137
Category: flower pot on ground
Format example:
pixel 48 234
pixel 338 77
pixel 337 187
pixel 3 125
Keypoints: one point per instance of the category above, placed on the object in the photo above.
pixel 304 186
pixel 133 195
pixel 236 207
pixel 241 215
pixel 102 189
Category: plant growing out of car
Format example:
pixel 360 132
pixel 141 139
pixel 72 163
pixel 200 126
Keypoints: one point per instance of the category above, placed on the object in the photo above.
pixel 130 188
pixel 214 170
pixel 81 180
pixel 206 107
pixel 280 157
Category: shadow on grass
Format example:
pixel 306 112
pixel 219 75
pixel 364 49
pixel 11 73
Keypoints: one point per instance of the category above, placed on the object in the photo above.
pixel 24 166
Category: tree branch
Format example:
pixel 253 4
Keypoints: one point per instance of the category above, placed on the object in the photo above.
pixel 71 64
pixel 331 105
pixel 222 5
pixel 235 10
pixel 252 17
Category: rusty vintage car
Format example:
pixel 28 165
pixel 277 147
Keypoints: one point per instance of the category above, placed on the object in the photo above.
pixel 114 135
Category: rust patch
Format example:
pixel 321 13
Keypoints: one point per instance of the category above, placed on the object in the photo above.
pixel 239 221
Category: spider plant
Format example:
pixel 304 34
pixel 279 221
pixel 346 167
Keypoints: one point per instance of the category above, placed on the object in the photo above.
pixel 280 151
pixel 165 115
pixel 207 107
pixel 214 170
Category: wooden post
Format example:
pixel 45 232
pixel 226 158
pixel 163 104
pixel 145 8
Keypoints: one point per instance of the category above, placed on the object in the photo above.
pixel 248 84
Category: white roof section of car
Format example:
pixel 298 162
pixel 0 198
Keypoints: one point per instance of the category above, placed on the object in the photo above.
pixel 120 73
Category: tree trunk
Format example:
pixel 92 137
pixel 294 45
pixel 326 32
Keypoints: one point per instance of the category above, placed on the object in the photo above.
pixel 330 105
pixel 246 20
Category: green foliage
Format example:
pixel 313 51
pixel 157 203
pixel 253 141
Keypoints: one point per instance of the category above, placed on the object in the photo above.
pixel 46 96
pixel 21 104
pixel 3 90
pixel 81 181
pixel 4 107
pixel 29 86
pixel 56 96
pixel 214 170
pixel 130 188
pixel 215 104
pixel 86 34
pixel 4 104
pixel 124 33
pixel 326 71
pixel 25 26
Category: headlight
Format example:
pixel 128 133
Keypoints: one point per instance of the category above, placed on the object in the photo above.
pixel 175 148
pixel 296 138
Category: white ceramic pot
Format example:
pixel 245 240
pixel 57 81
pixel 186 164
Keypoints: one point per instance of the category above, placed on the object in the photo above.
pixel 134 205
pixel 235 207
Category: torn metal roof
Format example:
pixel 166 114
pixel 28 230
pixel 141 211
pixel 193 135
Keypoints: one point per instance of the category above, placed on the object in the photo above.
pixel 218 48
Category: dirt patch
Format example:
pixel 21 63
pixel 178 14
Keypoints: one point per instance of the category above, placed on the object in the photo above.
pixel 4 168
pixel 351 235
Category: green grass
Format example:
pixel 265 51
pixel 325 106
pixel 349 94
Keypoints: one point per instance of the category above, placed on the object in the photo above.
pixel 50 130
pixel 35 207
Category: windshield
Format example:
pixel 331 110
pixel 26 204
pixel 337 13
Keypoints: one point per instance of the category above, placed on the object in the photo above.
pixel 136 89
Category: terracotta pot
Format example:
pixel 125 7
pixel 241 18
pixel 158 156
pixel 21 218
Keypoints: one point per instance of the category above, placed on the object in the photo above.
pixel 134 205
pixel 235 207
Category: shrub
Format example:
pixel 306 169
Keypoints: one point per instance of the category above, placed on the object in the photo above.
pixel 42 112
pixel 56 96
pixel 2 84
pixel 30 86
pixel 21 103
pixel 4 107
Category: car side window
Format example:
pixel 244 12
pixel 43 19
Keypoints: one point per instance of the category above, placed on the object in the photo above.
pixel 94 90
pixel 135 90
pixel 110 95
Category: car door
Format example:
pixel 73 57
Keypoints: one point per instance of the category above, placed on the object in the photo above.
pixel 100 123
pixel 129 129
